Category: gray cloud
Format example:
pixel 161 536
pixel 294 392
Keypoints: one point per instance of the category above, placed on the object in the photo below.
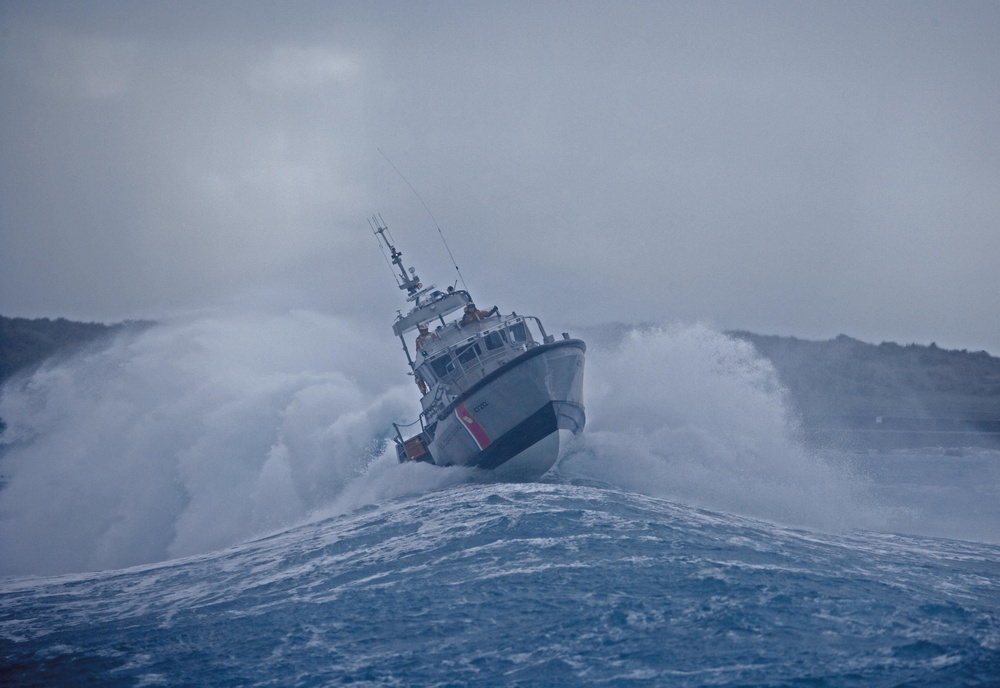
pixel 798 168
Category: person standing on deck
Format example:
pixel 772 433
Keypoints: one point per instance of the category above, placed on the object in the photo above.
pixel 424 335
pixel 473 315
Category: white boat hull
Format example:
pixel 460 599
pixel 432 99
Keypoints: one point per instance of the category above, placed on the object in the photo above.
pixel 517 421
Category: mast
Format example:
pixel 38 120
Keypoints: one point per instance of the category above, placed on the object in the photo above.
pixel 436 306
pixel 411 283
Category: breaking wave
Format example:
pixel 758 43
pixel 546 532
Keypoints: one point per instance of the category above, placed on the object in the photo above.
pixel 197 434
pixel 690 414
pixel 191 436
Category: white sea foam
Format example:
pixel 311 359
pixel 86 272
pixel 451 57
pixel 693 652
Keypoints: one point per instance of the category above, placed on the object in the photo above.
pixel 688 413
pixel 202 433
pixel 190 436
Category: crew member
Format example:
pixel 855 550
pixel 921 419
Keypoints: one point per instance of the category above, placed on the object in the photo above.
pixel 424 335
pixel 473 315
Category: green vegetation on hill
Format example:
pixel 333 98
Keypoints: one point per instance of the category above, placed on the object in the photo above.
pixel 25 343
pixel 844 376
pixel 839 383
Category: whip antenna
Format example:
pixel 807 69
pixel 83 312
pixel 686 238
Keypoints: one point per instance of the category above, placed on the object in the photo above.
pixel 440 233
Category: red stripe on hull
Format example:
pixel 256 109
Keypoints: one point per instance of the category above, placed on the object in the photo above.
pixel 472 425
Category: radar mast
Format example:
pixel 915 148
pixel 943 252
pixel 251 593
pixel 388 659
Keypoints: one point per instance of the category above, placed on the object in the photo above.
pixel 410 282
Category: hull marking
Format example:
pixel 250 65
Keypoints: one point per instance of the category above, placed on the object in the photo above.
pixel 470 423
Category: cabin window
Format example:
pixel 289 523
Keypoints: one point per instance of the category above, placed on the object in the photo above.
pixel 468 353
pixel 442 365
pixel 495 339
pixel 519 333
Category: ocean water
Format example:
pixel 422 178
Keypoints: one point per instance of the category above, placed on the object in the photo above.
pixel 210 502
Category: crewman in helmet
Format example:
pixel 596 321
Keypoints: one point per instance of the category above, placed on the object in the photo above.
pixel 424 335
pixel 472 315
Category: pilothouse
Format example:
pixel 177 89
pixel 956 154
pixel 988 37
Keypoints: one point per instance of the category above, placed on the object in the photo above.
pixel 497 391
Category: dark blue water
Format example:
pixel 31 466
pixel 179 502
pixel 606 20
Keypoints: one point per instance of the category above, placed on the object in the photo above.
pixel 501 584
pixel 688 539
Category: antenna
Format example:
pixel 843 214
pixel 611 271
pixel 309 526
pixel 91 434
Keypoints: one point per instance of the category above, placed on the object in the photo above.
pixel 440 233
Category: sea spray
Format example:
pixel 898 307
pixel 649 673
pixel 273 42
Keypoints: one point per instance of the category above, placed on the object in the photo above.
pixel 189 436
pixel 442 575
pixel 688 413
pixel 202 433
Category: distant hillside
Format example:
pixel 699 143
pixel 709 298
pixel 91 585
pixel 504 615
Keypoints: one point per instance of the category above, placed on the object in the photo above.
pixel 845 376
pixel 915 394
pixel 850 393
pixel 25 343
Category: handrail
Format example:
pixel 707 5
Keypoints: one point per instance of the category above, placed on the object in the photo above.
pixel 541 328
pixel 397 426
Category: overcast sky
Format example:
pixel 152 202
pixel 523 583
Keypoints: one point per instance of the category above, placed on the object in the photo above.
pixel 798 168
